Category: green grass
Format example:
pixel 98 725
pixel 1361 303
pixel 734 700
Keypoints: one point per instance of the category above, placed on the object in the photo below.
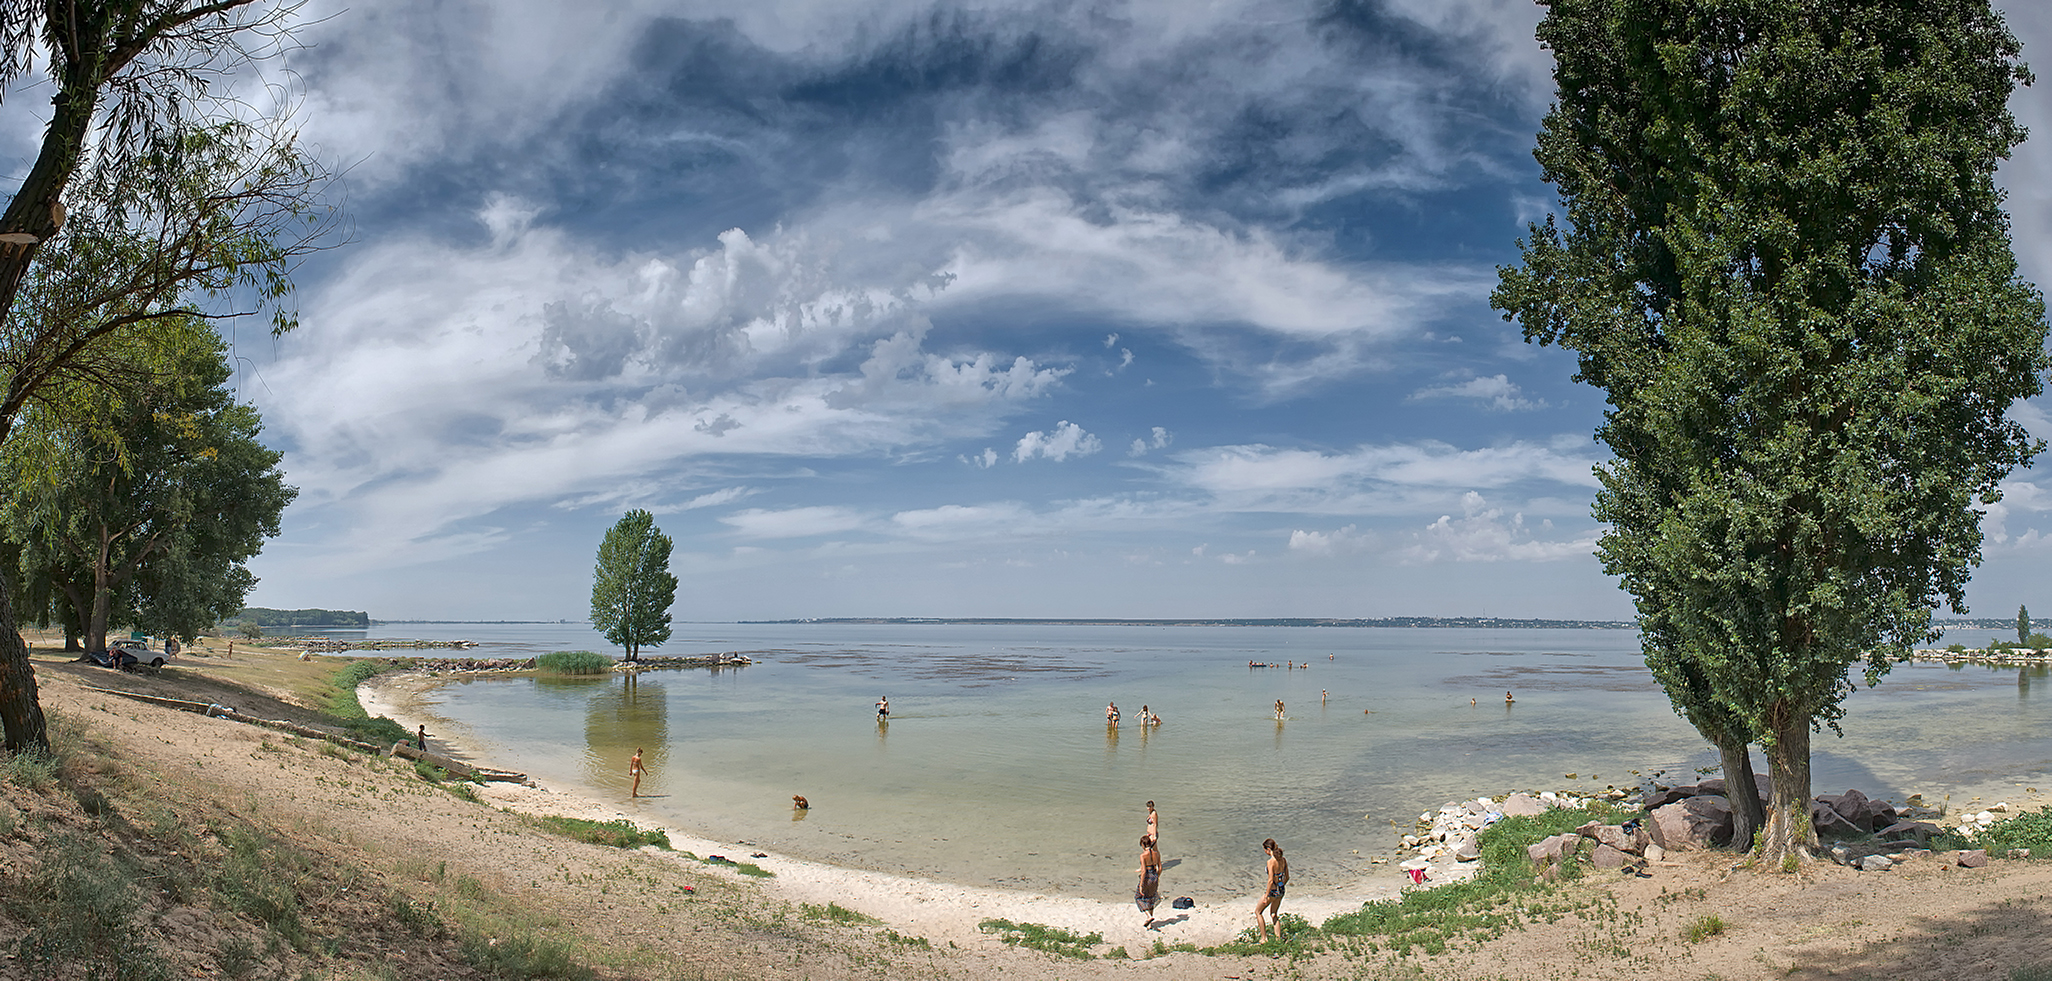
pixel 573 662
pixel 523 955
pixel 2034 972
pixel 617 834
pixel 834 913
pixel 1038 936
pixel 1505 894
pixel 2031 829
pixel 31 768
pixel 1706 926
pixel 83 905
pixel 348 712
pixel 745 868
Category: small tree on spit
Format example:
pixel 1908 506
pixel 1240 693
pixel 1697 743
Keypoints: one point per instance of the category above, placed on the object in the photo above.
pixel 632 588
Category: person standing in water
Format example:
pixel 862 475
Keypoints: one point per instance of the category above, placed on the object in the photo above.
pixel 1111 714
pixel 883 709
pixel 1149 891
pixel 1507 699
pixel 634 770
pixel 1278 710
pixel 1272 897
pixel 1153 823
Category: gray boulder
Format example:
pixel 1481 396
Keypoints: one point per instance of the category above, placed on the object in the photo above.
pixel 1468 850
pixel 1697 822
pixel 1876 863
pixel 1830 823
pixel 1522 805
pixel 1973 858
pixel 1606 857
pixel 1916 831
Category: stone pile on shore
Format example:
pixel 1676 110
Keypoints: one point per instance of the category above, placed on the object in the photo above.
pixel 1447 847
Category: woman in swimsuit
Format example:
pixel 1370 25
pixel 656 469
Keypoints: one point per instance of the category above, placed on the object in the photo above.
pixel 634 770
pixel 1278 877
pixel 1149 892
pixel 1278 710
pixel 1153 823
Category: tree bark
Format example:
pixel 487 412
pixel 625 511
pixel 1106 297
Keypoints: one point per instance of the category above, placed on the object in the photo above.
pixel 21 714
pixel 1743 793
pixel 1789 834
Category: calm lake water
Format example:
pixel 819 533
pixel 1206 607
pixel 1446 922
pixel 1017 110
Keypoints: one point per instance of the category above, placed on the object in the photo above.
pixel 997 768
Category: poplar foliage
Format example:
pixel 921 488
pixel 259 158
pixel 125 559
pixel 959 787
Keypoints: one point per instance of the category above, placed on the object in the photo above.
pixel 1786 265
pixel 632 588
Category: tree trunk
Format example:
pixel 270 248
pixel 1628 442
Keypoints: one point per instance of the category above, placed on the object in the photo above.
pixel 1743 792
pixel 1789 836
pixel 21 714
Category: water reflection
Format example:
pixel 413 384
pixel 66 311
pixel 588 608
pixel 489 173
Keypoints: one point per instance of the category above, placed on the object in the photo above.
pixel 622 717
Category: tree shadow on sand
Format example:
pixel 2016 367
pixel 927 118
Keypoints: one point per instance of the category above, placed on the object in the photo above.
pixel 1989 941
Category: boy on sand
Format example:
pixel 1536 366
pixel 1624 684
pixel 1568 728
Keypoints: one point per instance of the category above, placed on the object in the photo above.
pixel 1271 899
pixel 634 770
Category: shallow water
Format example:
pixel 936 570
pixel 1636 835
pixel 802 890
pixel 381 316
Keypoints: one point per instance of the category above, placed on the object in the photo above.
pixel 997 768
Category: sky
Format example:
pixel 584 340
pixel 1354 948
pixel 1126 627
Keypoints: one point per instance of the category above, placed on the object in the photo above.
pixel 1154 308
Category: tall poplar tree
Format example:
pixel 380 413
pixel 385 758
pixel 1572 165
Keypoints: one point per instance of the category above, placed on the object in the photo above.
pixel 1787 266
pixel 632 588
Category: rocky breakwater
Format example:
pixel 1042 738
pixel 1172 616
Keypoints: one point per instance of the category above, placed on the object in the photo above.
pixel 1855 829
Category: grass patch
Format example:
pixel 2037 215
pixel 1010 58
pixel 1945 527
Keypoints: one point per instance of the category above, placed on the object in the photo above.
pixel 84 906
pixel 894 937
pixel 31 768
pixel 1505 894
pixel 834 913
pixel 2031 829
pixel 573 662
pixel 339 700
pixel 523 955
pixel 745 868
pixel 261 877
pixel 1038 936
pixel 2033 972
pixel 617 834
pixel 1706 926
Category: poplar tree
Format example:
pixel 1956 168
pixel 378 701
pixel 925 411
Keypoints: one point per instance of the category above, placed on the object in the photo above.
pixel 1786 264
pixel 632 588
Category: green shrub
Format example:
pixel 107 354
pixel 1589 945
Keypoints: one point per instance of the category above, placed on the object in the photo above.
pixel 32 768
pixel 618 834
pixel 1041 937
pixel 573 662
pixel 2031 829
pixel 349 713
pixel 1705 927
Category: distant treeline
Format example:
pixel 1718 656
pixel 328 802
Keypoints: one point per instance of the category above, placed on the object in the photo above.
pixel 303 618
pixel 1506 623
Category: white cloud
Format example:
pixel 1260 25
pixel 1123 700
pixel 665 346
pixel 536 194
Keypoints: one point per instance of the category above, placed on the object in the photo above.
pixel 1343 539
pixel 1066 440
pixel 1483 534
pixel 1496 391
pixel 1390 479
pixel 1160 439
pixel 794 522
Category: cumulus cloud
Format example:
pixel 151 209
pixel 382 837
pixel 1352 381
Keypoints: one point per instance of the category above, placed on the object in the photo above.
pixel 1336 541
pixel 1485 534
pixel 1159 438
pixel 1496 391
pixel 1066 440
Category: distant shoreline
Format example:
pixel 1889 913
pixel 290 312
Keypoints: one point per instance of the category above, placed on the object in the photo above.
pixel 1511 623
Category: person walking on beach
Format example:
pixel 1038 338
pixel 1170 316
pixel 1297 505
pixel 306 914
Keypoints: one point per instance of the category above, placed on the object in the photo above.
pixel 634 770
pixel 1272 897
pixel 883 709
pixel 1149 891
pixel 1278 710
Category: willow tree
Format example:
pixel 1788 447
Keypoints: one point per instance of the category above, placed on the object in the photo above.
pixel 156 194
pixel 631 587
pixel 1786 264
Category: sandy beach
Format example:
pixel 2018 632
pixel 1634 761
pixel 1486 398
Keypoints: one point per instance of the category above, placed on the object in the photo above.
pixel 940 911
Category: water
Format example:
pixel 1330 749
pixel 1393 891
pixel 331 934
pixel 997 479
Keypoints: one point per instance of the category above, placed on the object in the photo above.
pixel 997 767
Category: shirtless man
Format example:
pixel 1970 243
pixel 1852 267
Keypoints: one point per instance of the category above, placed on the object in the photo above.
pixel 1272 896
pixel 634 770
pixel 883 709
pixel 1111 714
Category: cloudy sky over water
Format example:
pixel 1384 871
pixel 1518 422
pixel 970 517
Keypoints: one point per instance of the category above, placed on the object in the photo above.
pixel 1148 308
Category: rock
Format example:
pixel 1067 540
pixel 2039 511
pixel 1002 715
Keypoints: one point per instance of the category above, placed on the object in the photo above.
pixel 1468 850
pixel 1666 797
pixel 1972 858
pixel 1655 853
pixel 1851 805
pixel 2018 853
pixel 1606 857
pixel 1831 823
pixel 1693 823
pixel 1522 805
pixel 1876 863
pixel 1539 853
pixel 1841 854
pixel 1913 830
pixel 1610 835
pixel 2000 808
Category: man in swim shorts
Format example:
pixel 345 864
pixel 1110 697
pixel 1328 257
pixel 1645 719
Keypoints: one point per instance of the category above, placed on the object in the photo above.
pixel 1272 897
pixel 883 709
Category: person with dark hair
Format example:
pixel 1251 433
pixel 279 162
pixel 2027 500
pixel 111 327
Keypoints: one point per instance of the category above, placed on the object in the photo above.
pixel 883 709
pixel 1149 891
pixel 1272 897
pixel 634 770
pixel 1153 823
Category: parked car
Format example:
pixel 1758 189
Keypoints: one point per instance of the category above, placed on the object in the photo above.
pixel 140 650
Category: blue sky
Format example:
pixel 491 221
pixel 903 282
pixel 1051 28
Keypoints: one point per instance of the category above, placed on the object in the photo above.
pixel 916 309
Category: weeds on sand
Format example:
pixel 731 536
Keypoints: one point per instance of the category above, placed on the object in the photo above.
pixel 341 703
pixel 2031 829
pixel 834 913
pixel 2034 972
pixel 261 876
pixel 745 868
pixel 617 834
pixel 84 905
pixel 894 937
pixel 523 956
pixel 573 662
pixel 1038 936
pixel 32 768
pixel 1503 895
pixel 1705 927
